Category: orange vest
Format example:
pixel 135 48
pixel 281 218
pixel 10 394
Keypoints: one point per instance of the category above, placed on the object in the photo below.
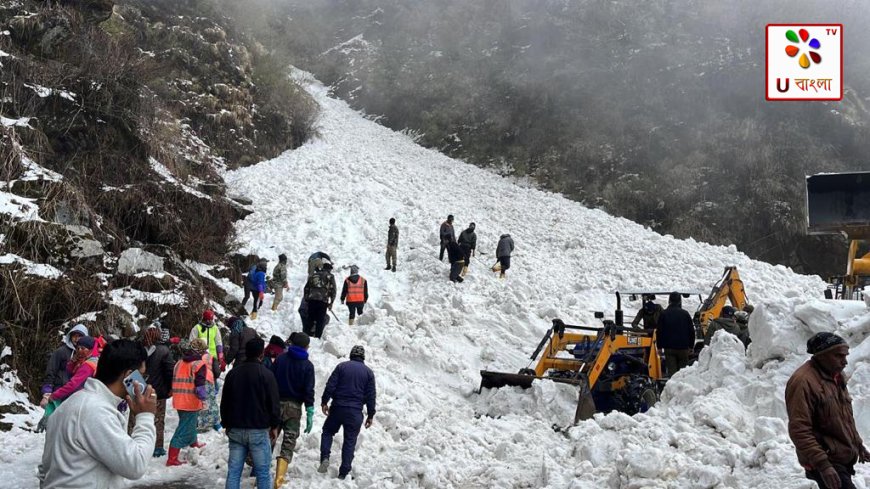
pixel 356 291
pixel 183 387
pixel 209 375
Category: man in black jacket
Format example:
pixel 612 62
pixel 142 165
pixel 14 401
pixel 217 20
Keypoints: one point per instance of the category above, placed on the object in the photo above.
pixel 295 375
pixel 468 242
pixel 240 335
pixel 251 415
pixel 159 369
pixel 676 334
pixel 457 260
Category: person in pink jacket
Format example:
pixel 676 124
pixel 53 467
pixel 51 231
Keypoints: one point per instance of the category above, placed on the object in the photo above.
pixel 81 367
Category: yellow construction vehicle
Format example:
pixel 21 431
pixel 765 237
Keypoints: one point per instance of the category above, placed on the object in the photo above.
pixel 615 368
pixel 728 288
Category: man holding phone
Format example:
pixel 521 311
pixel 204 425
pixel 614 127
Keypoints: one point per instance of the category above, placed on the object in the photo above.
pixel 87 445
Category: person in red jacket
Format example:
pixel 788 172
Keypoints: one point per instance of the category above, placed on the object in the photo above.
pixel 355 292
pixel 81 367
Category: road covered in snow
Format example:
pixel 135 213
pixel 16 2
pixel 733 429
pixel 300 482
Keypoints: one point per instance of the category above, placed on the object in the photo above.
pixel 721 422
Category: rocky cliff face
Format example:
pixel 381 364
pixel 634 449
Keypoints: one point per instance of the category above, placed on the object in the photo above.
pixel 117 120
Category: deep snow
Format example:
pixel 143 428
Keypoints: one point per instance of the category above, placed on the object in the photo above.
pixel 720 424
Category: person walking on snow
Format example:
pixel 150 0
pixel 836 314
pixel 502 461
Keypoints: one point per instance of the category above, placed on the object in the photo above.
pixel 240 335
pixel 503 254
pixel 468 242
pixel 87 445
pixel 209 416
pixel 350 386
pixel 392 245
pixel 255 285
pixel 446 235
pixel 279 281
pixel 208 331
pixel 81 367
pixel 295 375
pixel 250 413
pixel 319 295
pixel 676 334
pixel 159 369
pixel 356 292
pixel 821 423
pixel 457 260
pixel 188 393
pixel 56 374
pixel 316 260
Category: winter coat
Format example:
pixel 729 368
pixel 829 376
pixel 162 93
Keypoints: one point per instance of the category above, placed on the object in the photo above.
pixel 295 375
pixel 87 446
pixel 393 236
pixel 447 234
pixel 730 325
pixel 354 279
pixel 320 287
pixel 650 318
pixel 279 275
pixel 236 344
pixel 159 367
pixel 505 246
pixel 820 420
pixel 352 385
pixel 676 329
pixel 468 237
pixel 79 371
pixel 256 280
pixel 454 252
pixel 250 398
pixel 56 373
pixel 212 336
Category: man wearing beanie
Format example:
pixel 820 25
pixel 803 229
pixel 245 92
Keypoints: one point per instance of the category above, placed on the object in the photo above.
pixel 820 420
pixel 295 375
pixel 350 385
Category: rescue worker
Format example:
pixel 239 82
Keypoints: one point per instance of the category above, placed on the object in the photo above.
pixel 56 374
pixel 188 393
pixel 457 260
pixel 316 260
pixel 392 245
pixel 821 423
pixel 255 285
pixel 468 242
pixel 319 295
pixel 279 282
pixel 350 386
pixel 503 254
pixel 356 292
pixel 211 334
pixel 676 334
pixel 649 313
pixel 295 375
pixel 726 321
pixel 446 235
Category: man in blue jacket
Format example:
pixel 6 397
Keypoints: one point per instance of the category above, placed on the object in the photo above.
pixel 350 385
pixel 676 334
pixel 255 285
pixel 295 375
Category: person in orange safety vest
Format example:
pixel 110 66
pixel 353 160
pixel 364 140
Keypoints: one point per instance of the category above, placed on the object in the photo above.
pixel 355 292
pixel 188 393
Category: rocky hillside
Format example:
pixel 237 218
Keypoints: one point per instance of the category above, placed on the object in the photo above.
pixel 117 120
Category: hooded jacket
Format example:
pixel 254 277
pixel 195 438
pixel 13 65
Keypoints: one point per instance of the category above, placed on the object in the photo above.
pixel 352 385
pixel 820 420
pixel 256 279
pixel 676 329
pixel 468 237
pixel 87 445
pixel 56 373
pixel 239 337
pixel 505 246
pixel 295 375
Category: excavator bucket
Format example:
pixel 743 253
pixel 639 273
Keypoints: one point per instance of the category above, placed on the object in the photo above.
pixel 494 380
pixel 839 202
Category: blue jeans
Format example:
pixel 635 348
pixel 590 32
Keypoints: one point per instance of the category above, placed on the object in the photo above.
pixel 257 443
pixel 351 420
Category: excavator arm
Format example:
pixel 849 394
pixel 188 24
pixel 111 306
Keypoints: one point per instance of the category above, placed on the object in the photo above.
pixel 728 288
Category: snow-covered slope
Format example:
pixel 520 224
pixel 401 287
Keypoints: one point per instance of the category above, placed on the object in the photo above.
pixel 720 423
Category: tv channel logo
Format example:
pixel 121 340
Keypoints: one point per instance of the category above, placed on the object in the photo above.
pixel 804 62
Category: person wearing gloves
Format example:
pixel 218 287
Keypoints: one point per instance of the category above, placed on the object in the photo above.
pixel 820 420
pixel 208 331
pixel 56 374
pixel 295 375
pixel 188 393
pixel 350 386
pixel 86 444
pixel 356 292
pixel 250 413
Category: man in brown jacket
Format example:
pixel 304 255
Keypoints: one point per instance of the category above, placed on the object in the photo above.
pixel 820 420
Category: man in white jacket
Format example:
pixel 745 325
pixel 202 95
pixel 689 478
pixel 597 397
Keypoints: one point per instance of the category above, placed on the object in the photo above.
pixel 86 442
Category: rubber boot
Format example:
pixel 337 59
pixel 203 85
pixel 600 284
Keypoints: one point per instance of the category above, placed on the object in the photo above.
pixel 197 444
pixel 350 321
pixel 280 472
pixel 388 267
pixel 173 457
pixel 254 315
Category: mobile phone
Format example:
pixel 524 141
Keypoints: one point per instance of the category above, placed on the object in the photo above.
pixel 130 382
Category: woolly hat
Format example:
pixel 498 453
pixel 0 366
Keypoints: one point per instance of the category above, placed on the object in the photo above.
pixel 358 352
pixel 198 345
pixel 821 342
pixel 675 298
pixel 301 340
pixel 354 270
pixel 208 315
pixel 87 342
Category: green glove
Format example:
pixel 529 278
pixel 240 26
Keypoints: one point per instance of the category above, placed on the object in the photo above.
pixel 309 418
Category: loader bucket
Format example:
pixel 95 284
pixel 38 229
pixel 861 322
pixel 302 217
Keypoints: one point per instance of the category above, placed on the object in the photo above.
pixel 494 380
pixel 839 202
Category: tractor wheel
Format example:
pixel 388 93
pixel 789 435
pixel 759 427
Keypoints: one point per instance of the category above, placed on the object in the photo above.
pixel 638 395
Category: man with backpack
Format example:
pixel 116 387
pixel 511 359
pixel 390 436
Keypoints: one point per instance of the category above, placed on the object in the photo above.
pixel 255 285
pixel 319 295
